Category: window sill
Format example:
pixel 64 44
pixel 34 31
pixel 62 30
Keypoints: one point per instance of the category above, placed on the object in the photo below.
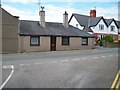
pixel 34 45
pixel 65 45
pixel 84 44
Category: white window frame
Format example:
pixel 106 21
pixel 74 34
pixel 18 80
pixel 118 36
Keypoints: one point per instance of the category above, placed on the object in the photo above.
pixel 112 27
pixel 101 27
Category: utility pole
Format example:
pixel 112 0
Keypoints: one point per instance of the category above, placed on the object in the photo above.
pixel 39 4
pixel 0 3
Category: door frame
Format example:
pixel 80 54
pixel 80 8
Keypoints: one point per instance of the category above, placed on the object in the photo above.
pixel 53 43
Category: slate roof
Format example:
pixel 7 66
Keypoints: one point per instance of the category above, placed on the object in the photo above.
pixel 108 21
pixel 51 29
pixel 94 21
pixel 88 21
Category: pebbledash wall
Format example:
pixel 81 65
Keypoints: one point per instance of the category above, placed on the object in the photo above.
pixel 25 44
pixel 75 44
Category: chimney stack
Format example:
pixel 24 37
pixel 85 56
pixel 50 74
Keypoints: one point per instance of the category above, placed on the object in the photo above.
pixel 65 19
pixel 93 13
pixel 42 17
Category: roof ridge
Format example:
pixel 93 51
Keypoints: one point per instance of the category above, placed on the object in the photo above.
pixel 109 18
pixel 30 20
pixel 81 14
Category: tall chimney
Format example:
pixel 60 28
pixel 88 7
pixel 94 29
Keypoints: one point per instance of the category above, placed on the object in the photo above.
pixel 65 19
pixel 42 18
pixel 93 13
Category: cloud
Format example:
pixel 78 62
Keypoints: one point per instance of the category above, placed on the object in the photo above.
pixel 55 13
pixel 22 13
pixel 111 12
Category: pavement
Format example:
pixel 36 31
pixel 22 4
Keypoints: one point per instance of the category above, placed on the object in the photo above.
pixel 94 68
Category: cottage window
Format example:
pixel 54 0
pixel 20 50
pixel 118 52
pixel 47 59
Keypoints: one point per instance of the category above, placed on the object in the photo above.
pixel 84 41
pixel 101 27
pixel 34 41
pixel 65 40
pixel 112 28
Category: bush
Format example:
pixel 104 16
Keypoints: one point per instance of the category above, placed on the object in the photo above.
pixel 107 39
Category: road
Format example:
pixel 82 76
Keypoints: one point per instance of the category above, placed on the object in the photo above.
pixel 94 68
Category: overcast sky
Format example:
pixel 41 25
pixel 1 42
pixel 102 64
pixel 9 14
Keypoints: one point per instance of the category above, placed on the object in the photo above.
pixel 29 9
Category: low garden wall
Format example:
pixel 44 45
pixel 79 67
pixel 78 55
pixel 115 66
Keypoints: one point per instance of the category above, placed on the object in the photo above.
pixel 111 44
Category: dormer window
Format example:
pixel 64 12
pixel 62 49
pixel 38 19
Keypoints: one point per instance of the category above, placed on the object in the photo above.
pixel 112 28
pixel 101 27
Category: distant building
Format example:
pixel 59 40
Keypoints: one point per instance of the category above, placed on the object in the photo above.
pixel 97 26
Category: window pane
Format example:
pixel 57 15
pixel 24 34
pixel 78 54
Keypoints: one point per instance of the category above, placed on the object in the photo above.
pixel 101 27
pixel 84 41
pixel 65 40
pixel 34 40
pixel 112 28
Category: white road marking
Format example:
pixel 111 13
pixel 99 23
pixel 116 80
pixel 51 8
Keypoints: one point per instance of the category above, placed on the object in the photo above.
pixel 52 62
pixel 103 56
pixel 8 66
pixel 76 59
pixel 21 64
pixel 84 58
pixel 110 55
pixel 24 64
pixel 38 63
pixel 64 61
pixel 95 57
pixel 12 67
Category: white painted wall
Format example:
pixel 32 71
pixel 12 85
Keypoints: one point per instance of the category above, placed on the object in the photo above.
pixel 96 28
pixel 112 32
pixel 73 22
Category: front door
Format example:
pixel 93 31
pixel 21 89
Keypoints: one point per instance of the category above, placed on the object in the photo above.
pixel 53 43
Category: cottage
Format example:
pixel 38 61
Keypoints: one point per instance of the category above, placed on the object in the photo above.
pixel 97 26
pixel 50 36
pixel 8 32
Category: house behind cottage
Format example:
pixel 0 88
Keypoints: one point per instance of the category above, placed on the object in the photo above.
pixel 94 25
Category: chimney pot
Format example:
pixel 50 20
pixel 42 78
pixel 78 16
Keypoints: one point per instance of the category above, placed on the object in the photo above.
pixel 93 13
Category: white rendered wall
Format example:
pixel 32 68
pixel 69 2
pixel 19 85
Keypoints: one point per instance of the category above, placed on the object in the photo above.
pixel 96 28
pixel 73 22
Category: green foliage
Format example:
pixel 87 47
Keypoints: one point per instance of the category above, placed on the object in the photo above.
pixel 107 39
